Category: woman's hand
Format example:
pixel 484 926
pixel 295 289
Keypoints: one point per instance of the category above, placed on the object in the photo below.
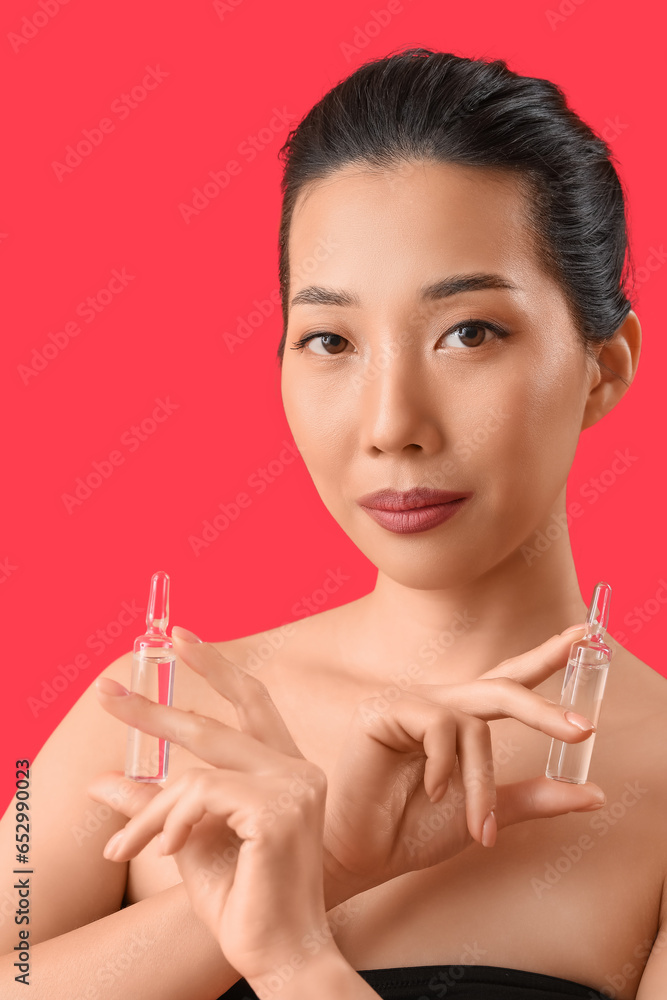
pixel 246 833
pixel 415 785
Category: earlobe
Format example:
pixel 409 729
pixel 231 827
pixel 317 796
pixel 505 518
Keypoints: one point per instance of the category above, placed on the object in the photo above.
pixel 617 361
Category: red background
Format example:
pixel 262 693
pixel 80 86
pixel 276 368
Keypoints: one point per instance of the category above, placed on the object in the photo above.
pixel 228 68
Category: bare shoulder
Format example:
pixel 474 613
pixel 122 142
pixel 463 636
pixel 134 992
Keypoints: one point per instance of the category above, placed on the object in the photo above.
pixel 264 652
pixel 68 828
pixel 632 739
pixel 639 690
pixel 87 720
pixel 257 651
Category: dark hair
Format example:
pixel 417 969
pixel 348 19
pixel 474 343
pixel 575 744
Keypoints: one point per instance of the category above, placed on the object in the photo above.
pixel 420 104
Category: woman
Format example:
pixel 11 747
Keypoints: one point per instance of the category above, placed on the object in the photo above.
pixel 452 245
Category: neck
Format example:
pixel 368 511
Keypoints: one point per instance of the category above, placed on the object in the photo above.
pixel 457 633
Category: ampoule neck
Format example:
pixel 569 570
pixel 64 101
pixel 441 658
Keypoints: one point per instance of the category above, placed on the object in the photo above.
pixel 157 629
pixel 596 642
pixel 597 618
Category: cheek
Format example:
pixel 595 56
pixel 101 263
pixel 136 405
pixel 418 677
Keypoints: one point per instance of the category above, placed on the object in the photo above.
pixel 323 428
pixel 532 445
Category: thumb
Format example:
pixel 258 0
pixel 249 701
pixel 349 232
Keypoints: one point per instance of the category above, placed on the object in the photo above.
pixel 122 794
pixel 537 798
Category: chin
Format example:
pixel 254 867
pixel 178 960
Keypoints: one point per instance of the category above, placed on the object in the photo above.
pixel 425 561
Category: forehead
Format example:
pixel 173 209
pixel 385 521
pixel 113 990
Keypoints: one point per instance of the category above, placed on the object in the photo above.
pixel 387 227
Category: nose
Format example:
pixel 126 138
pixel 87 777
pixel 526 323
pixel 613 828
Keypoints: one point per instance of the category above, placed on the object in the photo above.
pixel 398 408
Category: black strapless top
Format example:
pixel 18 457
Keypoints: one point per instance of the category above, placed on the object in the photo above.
pixel 457 982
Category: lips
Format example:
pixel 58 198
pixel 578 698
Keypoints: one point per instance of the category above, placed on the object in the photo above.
pixel 410 511
pixel 418 496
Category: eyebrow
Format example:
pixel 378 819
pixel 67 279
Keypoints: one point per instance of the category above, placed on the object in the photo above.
pixel 453 285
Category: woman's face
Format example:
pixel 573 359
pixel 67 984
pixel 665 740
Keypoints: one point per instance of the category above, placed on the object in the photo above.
pixel 424 391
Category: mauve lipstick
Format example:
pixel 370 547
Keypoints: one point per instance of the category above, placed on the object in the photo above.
pixel 410 511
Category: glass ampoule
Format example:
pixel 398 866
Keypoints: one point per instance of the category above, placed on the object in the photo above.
pixel 153 663
pixel 583 687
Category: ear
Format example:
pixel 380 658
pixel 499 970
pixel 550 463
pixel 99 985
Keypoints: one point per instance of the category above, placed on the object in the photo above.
pixel 613 369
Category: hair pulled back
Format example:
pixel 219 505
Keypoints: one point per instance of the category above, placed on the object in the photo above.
pixel 419 104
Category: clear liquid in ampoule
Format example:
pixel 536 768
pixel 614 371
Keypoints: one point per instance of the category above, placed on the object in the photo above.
pixel 153 666
pixel 147 757
pixel 583 688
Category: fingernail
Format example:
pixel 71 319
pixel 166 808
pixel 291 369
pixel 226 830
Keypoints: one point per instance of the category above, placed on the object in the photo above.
pixel 573 628
pixel 108 686
pixel 112 846
pixel 580 721
pixel 439 792
pixel 178 632
pixel 489 830
pixel 593 805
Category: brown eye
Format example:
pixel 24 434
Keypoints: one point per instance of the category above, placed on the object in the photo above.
pixel 468 335
pixel 332 343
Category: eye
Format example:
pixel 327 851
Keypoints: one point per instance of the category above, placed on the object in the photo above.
pixel 472 333
pixel 326 340
pixel 468 334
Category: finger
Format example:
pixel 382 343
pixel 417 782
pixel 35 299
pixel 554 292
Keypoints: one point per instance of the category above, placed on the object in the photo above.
pixel 408 725
pixel 186 813
pixel 147 823
pixel 208 739
pixel 537 798
pixel 503 697
pixel 238 799
pixel 255 709
pixel 122 794
pixel 475 755
pixel 535 665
